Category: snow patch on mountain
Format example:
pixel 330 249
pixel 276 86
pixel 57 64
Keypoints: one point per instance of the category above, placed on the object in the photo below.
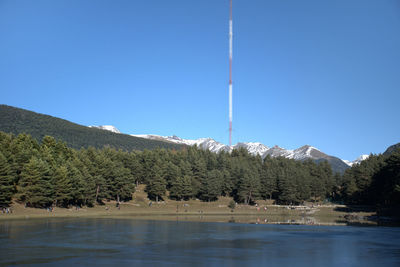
pixel 357 160
pixel 107 128
pixel 348 162
pixel 361 158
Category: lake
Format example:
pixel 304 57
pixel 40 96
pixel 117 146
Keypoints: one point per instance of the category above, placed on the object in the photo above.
pixel 132 242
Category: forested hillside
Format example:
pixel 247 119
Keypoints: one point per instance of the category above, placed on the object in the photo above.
pixel 51 173
pixel 16 121
pixel 375 181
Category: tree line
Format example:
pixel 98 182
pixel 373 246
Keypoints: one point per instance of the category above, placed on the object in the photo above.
pixel 375 181
pixel 50 173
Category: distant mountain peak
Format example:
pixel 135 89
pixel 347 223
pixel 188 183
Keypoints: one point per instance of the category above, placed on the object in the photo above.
pixel 256 148
pixel 309 147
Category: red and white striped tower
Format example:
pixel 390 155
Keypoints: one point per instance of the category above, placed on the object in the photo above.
pixel 230 71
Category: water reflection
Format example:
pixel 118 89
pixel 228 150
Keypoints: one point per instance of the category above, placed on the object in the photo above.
pixel 127 241
pixel 253 219
pixel 141 242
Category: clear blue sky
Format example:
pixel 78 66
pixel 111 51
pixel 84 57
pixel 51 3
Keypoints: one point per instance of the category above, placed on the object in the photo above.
pixel 324 73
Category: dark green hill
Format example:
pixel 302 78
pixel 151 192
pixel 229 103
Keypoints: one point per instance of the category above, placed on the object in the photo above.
pixel 391 149
pixel 16 121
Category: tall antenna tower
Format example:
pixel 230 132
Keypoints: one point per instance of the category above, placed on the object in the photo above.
pixel 230 71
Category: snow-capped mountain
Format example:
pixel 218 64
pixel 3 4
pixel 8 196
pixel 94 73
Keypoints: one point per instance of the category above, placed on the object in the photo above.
pixel 357 160
pixel 209 143
pixel 203 143
pixel 253 148
pixel 302 153
pixel 107 128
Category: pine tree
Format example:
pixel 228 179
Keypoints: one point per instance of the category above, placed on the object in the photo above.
pixel 199 173
pixel 227 183
pixel 248 189
pixel 85 166
pixel 316 180
pixel 77 183
pixel 171 173
pixel 131 161
pixel 288 191
pixel 23 148
pixel 156 185
pixel 124 184
pixel 49 154
pixel 83 181
pixel 301 180
pixel 224 165
pixel 147 161
pixel 181 188
pixel 103 177
pixel 6 182
pixel 63 189
pixel 358 180
pixel 35 188
pixel 268 178
pixel 211 186
pixel 385 186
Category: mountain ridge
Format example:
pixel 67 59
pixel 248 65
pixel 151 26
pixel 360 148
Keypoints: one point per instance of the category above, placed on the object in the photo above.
pixel 16 121
pixel 391 149
pixel 255 148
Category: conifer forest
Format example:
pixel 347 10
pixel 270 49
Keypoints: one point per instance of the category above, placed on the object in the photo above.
pixel 49 173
